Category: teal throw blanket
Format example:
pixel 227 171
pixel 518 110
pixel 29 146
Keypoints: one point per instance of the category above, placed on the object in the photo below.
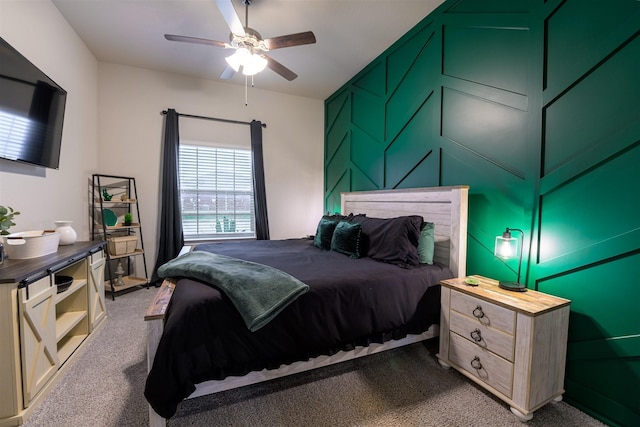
pixel 259 292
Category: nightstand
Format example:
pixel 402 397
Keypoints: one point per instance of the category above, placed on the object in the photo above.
pixel 513 344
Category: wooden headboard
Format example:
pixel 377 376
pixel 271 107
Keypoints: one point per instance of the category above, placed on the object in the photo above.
pixel 446 207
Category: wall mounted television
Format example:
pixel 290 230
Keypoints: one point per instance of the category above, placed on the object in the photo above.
pixel 31 111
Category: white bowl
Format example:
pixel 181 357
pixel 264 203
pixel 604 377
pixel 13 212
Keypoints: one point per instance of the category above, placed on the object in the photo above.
pixel 31 244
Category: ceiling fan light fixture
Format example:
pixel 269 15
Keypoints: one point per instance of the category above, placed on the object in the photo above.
pixel 239 58
pixel 254 64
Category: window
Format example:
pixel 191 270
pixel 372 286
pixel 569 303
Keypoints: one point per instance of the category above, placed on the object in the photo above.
pixel 216 192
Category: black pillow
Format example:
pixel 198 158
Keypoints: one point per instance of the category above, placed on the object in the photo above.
pixel 392 240
pixel 347 239
pixel 336 216
pixel 324 233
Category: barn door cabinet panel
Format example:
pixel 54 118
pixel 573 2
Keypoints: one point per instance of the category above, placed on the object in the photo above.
pixel 39 355
pixel 95 285
pixel 513 344
pixel 42 326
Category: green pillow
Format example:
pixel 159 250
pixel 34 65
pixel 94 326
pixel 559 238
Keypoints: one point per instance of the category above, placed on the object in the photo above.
pixel 324 233
pixel 347 239
pixel 426 244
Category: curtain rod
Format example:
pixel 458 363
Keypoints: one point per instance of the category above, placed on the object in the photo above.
pixel 264 125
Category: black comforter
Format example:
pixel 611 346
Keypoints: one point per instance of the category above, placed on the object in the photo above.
pixel 351 302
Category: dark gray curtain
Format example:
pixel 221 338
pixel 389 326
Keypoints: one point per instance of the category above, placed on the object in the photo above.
pixel 171 237
pixel 260 196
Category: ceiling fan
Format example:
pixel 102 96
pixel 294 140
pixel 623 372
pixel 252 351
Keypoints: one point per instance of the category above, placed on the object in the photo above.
pixel 250 48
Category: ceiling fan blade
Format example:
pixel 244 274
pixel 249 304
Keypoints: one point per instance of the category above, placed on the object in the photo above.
pixel 280 69
pixel 231 17
pixel 186 39
pixel 227 73
pixel 290 40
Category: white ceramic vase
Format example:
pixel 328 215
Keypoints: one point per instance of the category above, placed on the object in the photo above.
pixel 68 235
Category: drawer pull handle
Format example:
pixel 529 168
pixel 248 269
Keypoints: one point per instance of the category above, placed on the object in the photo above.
pixel 477 312
pixel 475 335
pixel 475 363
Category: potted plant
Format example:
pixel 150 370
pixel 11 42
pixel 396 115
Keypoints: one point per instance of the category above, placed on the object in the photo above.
pixel 6 219
pixel 128 218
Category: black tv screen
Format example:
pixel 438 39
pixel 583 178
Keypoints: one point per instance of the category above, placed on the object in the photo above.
pixel 31 111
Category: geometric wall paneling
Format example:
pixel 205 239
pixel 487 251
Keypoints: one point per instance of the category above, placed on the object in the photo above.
pixel 490 130
pixel 603 354
pixel 333 106
pixel 361 181
pixel 600 227
pixel 425 174
pixel 488 93
pixel 411 145
pixel 332 198
pixel 366 110
pixel 535 104
pixel 367 155
pixel 491 56
pixel 591 290
pixel 508 198
pixel 579 34
pixel 402 56
pixel 490 211
pixel 339 162
pixel 590 386
pixel 618 143
pixel 338 129
pixel 581 119
pixel 489 6
pixel 373 80
pixel 411 91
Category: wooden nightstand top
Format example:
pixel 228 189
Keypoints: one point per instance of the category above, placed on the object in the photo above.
pixel 530 302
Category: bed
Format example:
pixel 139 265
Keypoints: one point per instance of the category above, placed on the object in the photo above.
pixel 384 304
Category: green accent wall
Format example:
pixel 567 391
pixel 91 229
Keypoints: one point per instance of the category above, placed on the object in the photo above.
pixel 536 106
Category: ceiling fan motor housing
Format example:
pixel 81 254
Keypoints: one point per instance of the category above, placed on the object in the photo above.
pixel 252 41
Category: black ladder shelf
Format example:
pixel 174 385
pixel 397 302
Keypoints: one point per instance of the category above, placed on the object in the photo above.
pixel 111 198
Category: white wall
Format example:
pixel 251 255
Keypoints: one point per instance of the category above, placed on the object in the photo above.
pixel 38 31
pixel 130 123
pixel 113 126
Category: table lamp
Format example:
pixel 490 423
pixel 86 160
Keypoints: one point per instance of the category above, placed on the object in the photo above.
pixel 507 247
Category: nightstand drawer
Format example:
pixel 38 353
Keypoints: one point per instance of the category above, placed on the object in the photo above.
pixel 481 335
pixel 485 312
pixel 481 363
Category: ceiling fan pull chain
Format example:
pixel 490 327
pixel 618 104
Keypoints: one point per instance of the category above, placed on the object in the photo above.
pixel 246 95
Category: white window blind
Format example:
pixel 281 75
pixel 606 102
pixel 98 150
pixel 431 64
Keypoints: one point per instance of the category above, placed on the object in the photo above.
pixel 216 191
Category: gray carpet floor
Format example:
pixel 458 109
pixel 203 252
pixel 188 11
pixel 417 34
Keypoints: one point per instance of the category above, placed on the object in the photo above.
pixel 401 387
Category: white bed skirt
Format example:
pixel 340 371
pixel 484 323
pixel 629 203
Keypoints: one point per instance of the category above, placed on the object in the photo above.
pixel 216 386
pixel 255 377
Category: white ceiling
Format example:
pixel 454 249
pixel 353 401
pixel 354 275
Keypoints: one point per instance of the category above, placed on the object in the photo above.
pixel 349 34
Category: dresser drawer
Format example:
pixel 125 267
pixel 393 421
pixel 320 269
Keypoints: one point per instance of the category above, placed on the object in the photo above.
pixel 481 335
pixel 484 312
pixel 482 364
